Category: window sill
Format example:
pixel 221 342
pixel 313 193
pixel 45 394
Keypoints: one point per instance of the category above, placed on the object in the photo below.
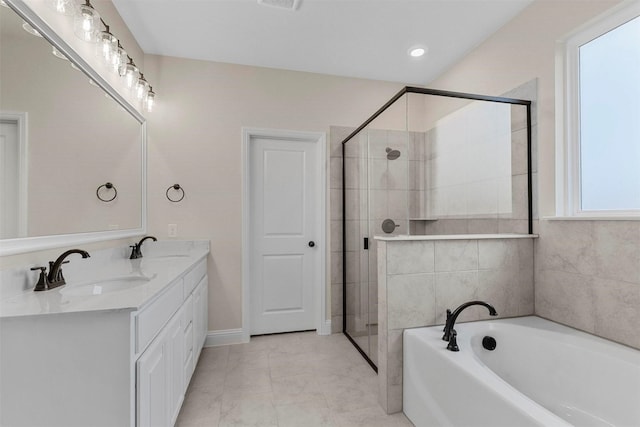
pixel 591 218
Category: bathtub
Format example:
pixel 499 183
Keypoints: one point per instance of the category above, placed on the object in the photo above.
pixel 540 374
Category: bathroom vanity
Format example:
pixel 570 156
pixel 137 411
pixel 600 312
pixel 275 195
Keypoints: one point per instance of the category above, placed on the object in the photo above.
pixel 116 346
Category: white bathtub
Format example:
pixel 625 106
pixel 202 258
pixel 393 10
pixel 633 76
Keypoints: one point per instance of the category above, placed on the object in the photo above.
pixel 540 374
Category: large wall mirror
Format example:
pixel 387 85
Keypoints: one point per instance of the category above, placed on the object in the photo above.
pixel 65 134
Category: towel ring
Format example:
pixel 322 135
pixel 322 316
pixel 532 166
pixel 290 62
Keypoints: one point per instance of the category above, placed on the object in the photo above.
pixel 177 188
pixel 108 186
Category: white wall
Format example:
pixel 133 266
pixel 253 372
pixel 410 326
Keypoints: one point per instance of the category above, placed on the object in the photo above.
pixel 195 140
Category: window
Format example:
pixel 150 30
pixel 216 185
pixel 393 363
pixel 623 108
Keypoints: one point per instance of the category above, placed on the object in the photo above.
pixel 599 163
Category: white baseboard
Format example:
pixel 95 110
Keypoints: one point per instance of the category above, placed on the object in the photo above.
pixel 236 336
pixel 223 337
pixel 325 328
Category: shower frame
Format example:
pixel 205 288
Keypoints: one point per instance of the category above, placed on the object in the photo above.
pixel 425 91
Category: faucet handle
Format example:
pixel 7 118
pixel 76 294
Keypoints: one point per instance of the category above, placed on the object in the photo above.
pixel 453 342
pixel 43 281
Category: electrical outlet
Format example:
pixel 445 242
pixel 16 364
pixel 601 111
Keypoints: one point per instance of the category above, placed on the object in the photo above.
pixel 172 230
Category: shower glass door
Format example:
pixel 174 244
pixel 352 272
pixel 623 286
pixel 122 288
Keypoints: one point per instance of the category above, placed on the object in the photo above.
pixel 376 203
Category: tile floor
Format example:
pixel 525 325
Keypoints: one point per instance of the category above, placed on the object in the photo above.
pixel 299 380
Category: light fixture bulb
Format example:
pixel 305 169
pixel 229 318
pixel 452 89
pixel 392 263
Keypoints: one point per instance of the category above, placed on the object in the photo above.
pixel 150 100
pixel 64 7
pixel 118 58
pixel 107 46
pixel 130 73
pixel 86 23
pixel 142 87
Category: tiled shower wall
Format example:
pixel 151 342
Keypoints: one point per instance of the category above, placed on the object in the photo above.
pixel 501 220
pixel 401 187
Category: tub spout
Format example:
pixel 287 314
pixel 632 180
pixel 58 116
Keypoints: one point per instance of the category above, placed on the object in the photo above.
pixel 449 331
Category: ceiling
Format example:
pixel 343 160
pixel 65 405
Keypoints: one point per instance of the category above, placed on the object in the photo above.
pixel 356 38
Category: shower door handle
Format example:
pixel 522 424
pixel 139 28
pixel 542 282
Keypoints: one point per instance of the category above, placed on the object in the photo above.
pixel 312 243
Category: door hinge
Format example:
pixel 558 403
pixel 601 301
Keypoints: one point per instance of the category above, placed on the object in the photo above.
pixel 366 243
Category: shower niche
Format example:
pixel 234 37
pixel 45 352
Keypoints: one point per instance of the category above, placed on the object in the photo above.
pixel 429 162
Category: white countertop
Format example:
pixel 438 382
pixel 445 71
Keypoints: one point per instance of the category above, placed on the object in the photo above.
pixel 400 238
pixel 158 264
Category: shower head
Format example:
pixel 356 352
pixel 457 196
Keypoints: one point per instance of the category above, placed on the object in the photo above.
pixel 392 154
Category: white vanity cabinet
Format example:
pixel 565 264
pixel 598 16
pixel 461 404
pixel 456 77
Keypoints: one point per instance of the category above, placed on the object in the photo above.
pixel 164 368
pixel 127 366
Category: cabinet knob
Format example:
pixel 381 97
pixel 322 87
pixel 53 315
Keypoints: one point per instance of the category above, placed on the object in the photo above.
pixel 312 243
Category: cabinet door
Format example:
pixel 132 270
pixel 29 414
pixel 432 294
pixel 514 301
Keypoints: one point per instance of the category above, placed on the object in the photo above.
pixel 152 381
pixel 175 345
pixel 200 316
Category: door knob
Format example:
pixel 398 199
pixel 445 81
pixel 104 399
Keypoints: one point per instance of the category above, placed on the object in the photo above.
pixel 312 243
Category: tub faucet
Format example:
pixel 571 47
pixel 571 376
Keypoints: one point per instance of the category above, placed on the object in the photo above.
pixel 449 331
pixel 135 248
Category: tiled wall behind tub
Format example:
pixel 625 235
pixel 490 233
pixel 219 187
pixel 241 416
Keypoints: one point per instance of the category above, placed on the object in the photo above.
pixel 419 280
pixel 588 277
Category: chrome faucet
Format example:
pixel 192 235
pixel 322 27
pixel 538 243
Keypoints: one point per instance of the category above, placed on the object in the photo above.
pixel 135 248
pixel 55 277
pixel 450 333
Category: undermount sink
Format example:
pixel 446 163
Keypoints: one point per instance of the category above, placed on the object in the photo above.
pixel 105 286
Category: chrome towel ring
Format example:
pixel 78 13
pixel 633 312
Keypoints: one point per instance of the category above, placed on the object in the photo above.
pixel 107 186
pixel 176 187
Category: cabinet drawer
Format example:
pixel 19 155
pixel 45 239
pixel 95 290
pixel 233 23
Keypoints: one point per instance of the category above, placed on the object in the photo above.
pixel 192 278
pixel 152 318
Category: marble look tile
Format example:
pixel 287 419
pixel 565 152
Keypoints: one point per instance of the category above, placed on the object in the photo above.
pixel 296 389
pixel 312 414
pixel 335 204
pixel 254 409
pixel 519 152
pixel 346 397
pixel 617 313
pixel 498 288
pixel 246 377
pixel 370 417
pixel 335 173
pixel 209 382
pixel 519 197
pixel 394 357
pixel 520 226
pixel 199 411
pixel 354 173
pixel 453 289
pixel 482 226
pixel 567 246
pixel 398 204
pixel 458 255
pixel 498 254
pixel 336 299
pixel 410 257
pixel 617 250
pixel 410 300
pixel 566 298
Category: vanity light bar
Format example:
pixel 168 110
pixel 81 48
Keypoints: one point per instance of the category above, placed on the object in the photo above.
pixel 87 22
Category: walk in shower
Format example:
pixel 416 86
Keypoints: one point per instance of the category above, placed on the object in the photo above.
pixel 428 162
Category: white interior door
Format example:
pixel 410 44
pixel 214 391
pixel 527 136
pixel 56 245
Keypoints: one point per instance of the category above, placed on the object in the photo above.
pixel 284 261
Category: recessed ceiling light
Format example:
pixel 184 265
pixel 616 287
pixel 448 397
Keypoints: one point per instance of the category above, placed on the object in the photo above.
pixel 417 52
